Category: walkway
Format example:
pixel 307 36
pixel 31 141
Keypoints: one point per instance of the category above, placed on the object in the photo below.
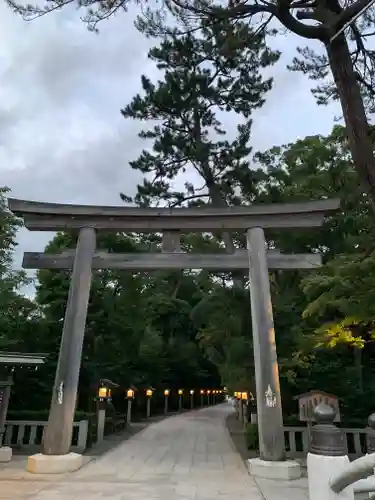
pixel 186 457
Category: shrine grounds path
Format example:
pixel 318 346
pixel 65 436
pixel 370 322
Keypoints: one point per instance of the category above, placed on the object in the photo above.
pixel 185 457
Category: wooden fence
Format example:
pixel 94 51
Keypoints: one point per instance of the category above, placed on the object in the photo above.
pixel 27 436
pixel 297 441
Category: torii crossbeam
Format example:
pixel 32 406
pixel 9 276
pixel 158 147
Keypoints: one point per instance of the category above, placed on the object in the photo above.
pixel 171 260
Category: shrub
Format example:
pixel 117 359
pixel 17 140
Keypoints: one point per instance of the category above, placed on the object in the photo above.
pixel 252 437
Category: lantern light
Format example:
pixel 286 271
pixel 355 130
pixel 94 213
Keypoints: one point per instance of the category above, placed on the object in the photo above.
pixel 166 392
pixel 149 392
pixel 192 392
pixel 130 394
pixel 102 392
pixel 180 392
pixel 208 391
pixel 202 391
pixel 244 395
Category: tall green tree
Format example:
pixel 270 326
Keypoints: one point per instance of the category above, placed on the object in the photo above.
pixel 14 309
pixel 348 60
pixel 319 167
pixel 331 325
pixel 204 78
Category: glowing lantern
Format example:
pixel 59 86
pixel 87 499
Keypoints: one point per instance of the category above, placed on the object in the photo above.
pixel 102 392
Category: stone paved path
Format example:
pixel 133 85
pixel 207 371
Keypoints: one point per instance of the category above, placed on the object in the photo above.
pixel 186 457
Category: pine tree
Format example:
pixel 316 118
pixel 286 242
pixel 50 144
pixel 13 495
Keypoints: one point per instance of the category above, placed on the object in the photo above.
pixel 205 78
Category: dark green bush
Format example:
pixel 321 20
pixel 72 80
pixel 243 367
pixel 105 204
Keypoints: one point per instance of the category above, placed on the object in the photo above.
pixel 252 437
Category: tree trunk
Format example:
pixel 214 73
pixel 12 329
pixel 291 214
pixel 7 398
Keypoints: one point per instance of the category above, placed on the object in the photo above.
pixel 218 201
pixel 354 113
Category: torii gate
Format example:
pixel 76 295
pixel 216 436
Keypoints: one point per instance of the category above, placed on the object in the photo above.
pixel 171 222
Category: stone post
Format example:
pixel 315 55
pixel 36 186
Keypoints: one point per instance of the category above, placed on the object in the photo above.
pixel 237 407
pixel 101 424
pixel 270 420
pixel 370 434
pixel 5 388
pixel 129 411
pixel 165 404
pixel 58 435
pixel 148 411
pixel 253 413
pixel 327 456
pixel 240 412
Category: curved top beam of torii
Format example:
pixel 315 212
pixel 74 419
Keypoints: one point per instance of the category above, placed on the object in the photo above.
pixel 55 217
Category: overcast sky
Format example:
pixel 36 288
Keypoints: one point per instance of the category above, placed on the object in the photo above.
pixel 62 137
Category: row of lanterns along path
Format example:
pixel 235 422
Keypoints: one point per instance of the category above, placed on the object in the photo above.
pixel 207 397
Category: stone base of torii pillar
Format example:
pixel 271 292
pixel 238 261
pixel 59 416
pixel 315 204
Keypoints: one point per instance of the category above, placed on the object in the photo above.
pixel 284 470
pixel 5 454
pixel 54 464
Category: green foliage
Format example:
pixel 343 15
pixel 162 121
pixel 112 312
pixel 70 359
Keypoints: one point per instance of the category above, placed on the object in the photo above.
pixel 204 78
pixel 323 319
pixel 15 310
pixel 138 329
pixel 223 320
pixel 252 437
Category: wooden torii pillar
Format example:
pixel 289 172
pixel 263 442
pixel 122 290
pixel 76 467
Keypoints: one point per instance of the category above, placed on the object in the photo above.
pixel 88 219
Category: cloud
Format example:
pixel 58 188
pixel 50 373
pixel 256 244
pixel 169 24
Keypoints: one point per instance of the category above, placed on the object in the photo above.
pixel 62 137
pixel 61 91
